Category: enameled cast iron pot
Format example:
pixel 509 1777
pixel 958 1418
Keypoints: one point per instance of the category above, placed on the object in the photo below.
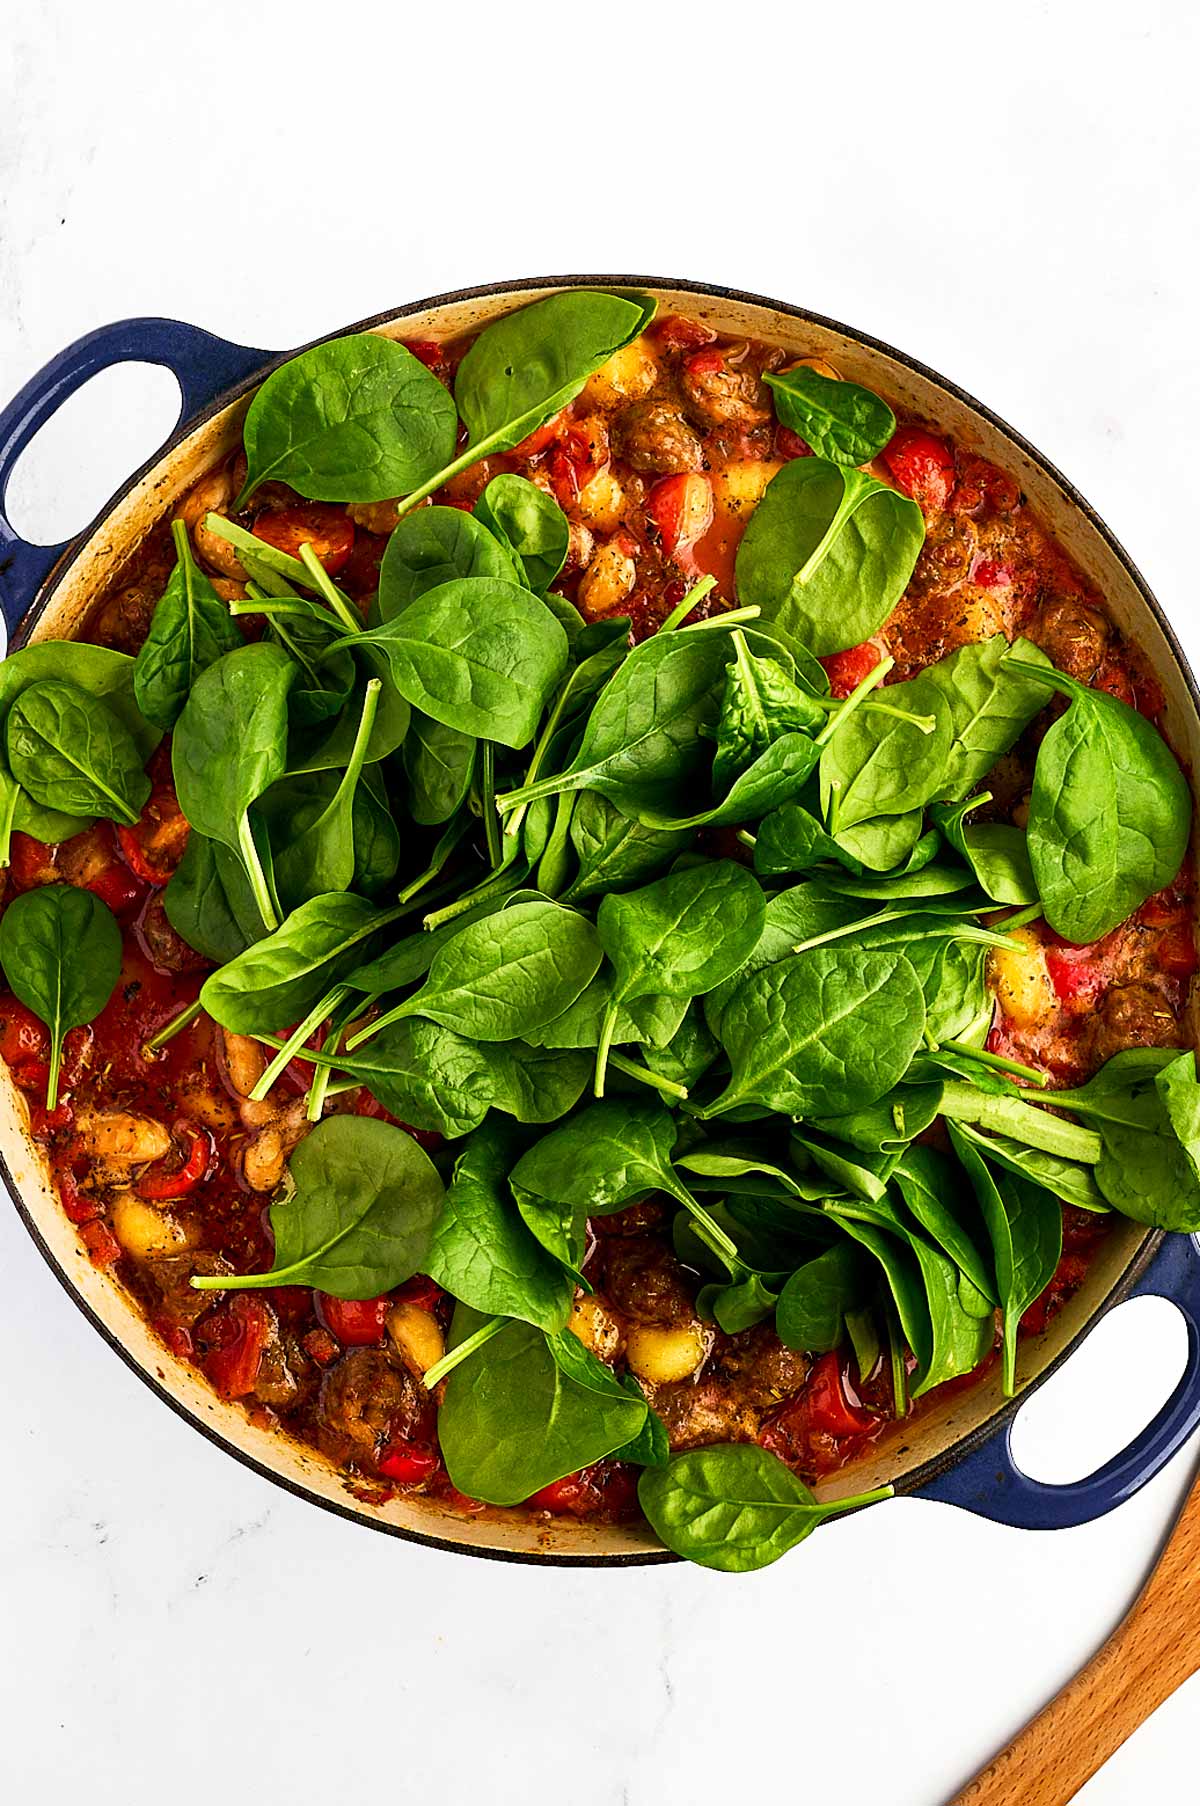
pixel 957 1451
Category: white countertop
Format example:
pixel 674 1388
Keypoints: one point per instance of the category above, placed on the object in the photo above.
pixel 1009 195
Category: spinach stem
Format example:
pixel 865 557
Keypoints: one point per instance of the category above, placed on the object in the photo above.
pixel 632 1070
pixel 1026 1121
pixel 496 885
pixel 899 1365
pixel 11 798
pixel 450 1361
pixel 295 1041
pixel 322 1076
pixel 926 723
pixel 716 1236
pixel 607 1030
pixel 998 1062
pixel 1033 912
pixel 683 609
pixel 174 1027
pixel 723 623
pixel 258 878
pixel 56 1047
pixel 491 820
pixel 857 695
pixel 747 839
pixel 326 588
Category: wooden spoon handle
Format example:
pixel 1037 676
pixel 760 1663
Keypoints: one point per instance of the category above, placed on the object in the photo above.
pixel 1148 1656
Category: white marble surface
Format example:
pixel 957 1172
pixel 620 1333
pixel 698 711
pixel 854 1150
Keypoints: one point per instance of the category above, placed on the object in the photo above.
pixel 1020 211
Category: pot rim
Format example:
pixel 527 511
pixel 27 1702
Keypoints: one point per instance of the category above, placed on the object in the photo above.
pixel 917 1478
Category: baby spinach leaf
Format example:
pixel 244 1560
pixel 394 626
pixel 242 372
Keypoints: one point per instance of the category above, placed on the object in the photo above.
pixel 643 745
pixel 209 902
pixel 837 420
pixel 72 753
pixel 760 703
pixel 734 1507
pixel 1025 1226
pixel 689 1053
pixel 331 750
pixel 602 1159
pixel 508 975
pixel 812 1307
pixel 529 524
pixel 828 553
pixel 434 546
pixel 932 1189
pixel 513 1419
pixel 358 1217
pixel 614 851
pixel 230 745
pixel 313 845
pixel 482 1252
pixel 883 842
pixel 980 703
pixel 357 419
pixel 678 937
pixel 1110 813
pixel 649 1448
pixel 526 367
pixel 777 774
pixel 439 763
pixel 683 934
pixel 1069 1180
pixel 280 978
pixel 1140 1102
pixel 190 631
pixel 996 852
pixel 106 675
pixel 646 1021
pixel 789 839
pixel 820 1033
pixel 60 948
pixel 477 654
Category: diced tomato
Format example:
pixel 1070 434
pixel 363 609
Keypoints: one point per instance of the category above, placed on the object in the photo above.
pixel 78 1206
pixel 676 332
pixel 420 1290
pixel 237 1331
pixel 1171 904
pixel 356 1322
pixel 570 465
pixel 104 1250
pixel 1114 680
pixel 606 1485
pixel 992 573
pixel 922 466
pixel 681 507
pixel 43 1123
pixel 846 670
pixel 1176 951
pixel 408 1463
pixel 117 886
pixel 321 1346
pixel 153 848
pixel 1079 974
pixel 22 1036
pixel 832 1408
pixel 162 1181
pixel 789 445
pixel 327 529
pixel 704 363
pixel 430 354
pixel 536 442
pixel 31 862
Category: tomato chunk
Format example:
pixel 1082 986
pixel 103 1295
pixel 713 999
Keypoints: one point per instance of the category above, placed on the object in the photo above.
pixel 846 670
pixel 605 1486
pixel 22 1036
pixel 536 442
pixel 830 1408
pixel 31 862
pixel 408 1463
pixel 158 1184
pixel 325 528
pixel 356 1322
pixel 681 507
pixel 237 1331
pixel 676 332
pixel 155 845
pixel 922 466
pixel 789 445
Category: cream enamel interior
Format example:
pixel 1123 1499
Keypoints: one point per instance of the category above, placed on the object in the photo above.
pixel 936 1430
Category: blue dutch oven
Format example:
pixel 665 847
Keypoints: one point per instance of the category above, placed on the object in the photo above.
pixel 957 1451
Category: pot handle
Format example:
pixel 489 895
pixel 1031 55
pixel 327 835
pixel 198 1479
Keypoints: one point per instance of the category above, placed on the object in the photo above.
pixel 989 1482
pixel 202 364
